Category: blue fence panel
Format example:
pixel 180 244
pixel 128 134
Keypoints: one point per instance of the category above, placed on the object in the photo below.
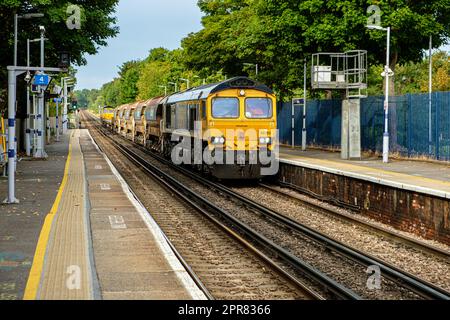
pixel 284 122
pixel 372 123
pixel 419 144
pixel 443 105
pixel 408 124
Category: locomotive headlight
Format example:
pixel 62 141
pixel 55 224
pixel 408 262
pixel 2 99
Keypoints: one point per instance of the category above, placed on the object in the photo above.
pixel 218 140
pixel 265 140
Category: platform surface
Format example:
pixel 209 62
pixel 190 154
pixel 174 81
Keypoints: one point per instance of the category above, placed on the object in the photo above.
pixel 37 185
pixel 417 176
pixel 78 234
pixel 131 262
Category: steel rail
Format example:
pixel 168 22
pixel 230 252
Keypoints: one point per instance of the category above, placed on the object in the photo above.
pixel 417 285
pixel 166 180
pixel 348 217
pixel 189 195
pixel 413 283
pixel 183 262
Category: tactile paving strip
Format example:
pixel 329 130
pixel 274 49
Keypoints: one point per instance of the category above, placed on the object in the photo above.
pixel 67 270
pixel 128 260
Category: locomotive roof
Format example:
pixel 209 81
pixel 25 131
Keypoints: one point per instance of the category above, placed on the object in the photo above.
pixel 203 92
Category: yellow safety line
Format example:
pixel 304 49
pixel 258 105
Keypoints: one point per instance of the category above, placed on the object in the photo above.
pixel 34 277
pixel 349 166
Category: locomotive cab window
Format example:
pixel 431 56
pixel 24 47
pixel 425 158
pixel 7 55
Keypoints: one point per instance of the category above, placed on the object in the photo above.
pixel 258 108
pixel 225 108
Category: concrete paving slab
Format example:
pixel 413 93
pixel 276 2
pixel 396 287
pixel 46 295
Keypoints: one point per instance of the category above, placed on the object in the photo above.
pixel 129 261
pixel 37 184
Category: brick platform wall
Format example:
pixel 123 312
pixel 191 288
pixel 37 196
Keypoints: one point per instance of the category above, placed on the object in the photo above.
pixel 421 214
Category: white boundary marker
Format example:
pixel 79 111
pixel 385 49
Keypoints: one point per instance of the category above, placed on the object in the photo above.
pixel 157 233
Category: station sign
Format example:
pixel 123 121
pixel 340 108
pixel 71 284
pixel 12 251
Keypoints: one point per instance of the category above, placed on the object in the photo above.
pixel 298 101
pixel 57 100
pixel 56 90
pixel 41 80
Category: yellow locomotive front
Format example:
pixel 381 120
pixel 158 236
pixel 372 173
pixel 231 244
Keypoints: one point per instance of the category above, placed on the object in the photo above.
pixel 241 125
pixel 227 129
pixel 107 116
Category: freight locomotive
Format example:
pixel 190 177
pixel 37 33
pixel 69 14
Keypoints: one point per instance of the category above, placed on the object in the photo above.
pixel 232 124
pixel 106 116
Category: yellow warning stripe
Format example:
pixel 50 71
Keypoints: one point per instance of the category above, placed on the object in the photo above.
pixel 34 277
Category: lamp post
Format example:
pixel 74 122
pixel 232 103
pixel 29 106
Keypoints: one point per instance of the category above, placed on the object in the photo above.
pixel 304 130
pixel 174 84
pixel 57 119
pixel 387 74
pixel 253 65
pixel 26 16
pixel 430 96
pixel 187 82
pixel 165 90
pixel 16 27
pixel 203 79
pixel 28 122
pixel 40 150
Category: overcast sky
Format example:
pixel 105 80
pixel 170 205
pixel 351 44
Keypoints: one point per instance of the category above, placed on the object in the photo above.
pixel 144 24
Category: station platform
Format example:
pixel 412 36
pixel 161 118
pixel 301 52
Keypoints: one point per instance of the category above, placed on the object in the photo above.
pixel 411 196
pixel 37 185
pixel 425 177
pixel 89 239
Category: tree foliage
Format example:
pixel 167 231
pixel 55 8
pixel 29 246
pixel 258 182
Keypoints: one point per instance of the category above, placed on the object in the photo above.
pixel 411 77
pixel 141 80
pixel 97 25
pixel 280 34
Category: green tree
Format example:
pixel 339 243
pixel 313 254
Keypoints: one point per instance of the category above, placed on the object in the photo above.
pixel 82 98
pixel 412 77
pixel 280 34
pixel 153 75
pixel 97 25
pixel 129 76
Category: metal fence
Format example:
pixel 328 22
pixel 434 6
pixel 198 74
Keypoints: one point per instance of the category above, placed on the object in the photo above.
pixel 409 124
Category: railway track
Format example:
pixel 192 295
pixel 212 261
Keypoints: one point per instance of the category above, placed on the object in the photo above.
pixel 426 261
pixel 289 191
pixel 288 239
pixel 224 265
